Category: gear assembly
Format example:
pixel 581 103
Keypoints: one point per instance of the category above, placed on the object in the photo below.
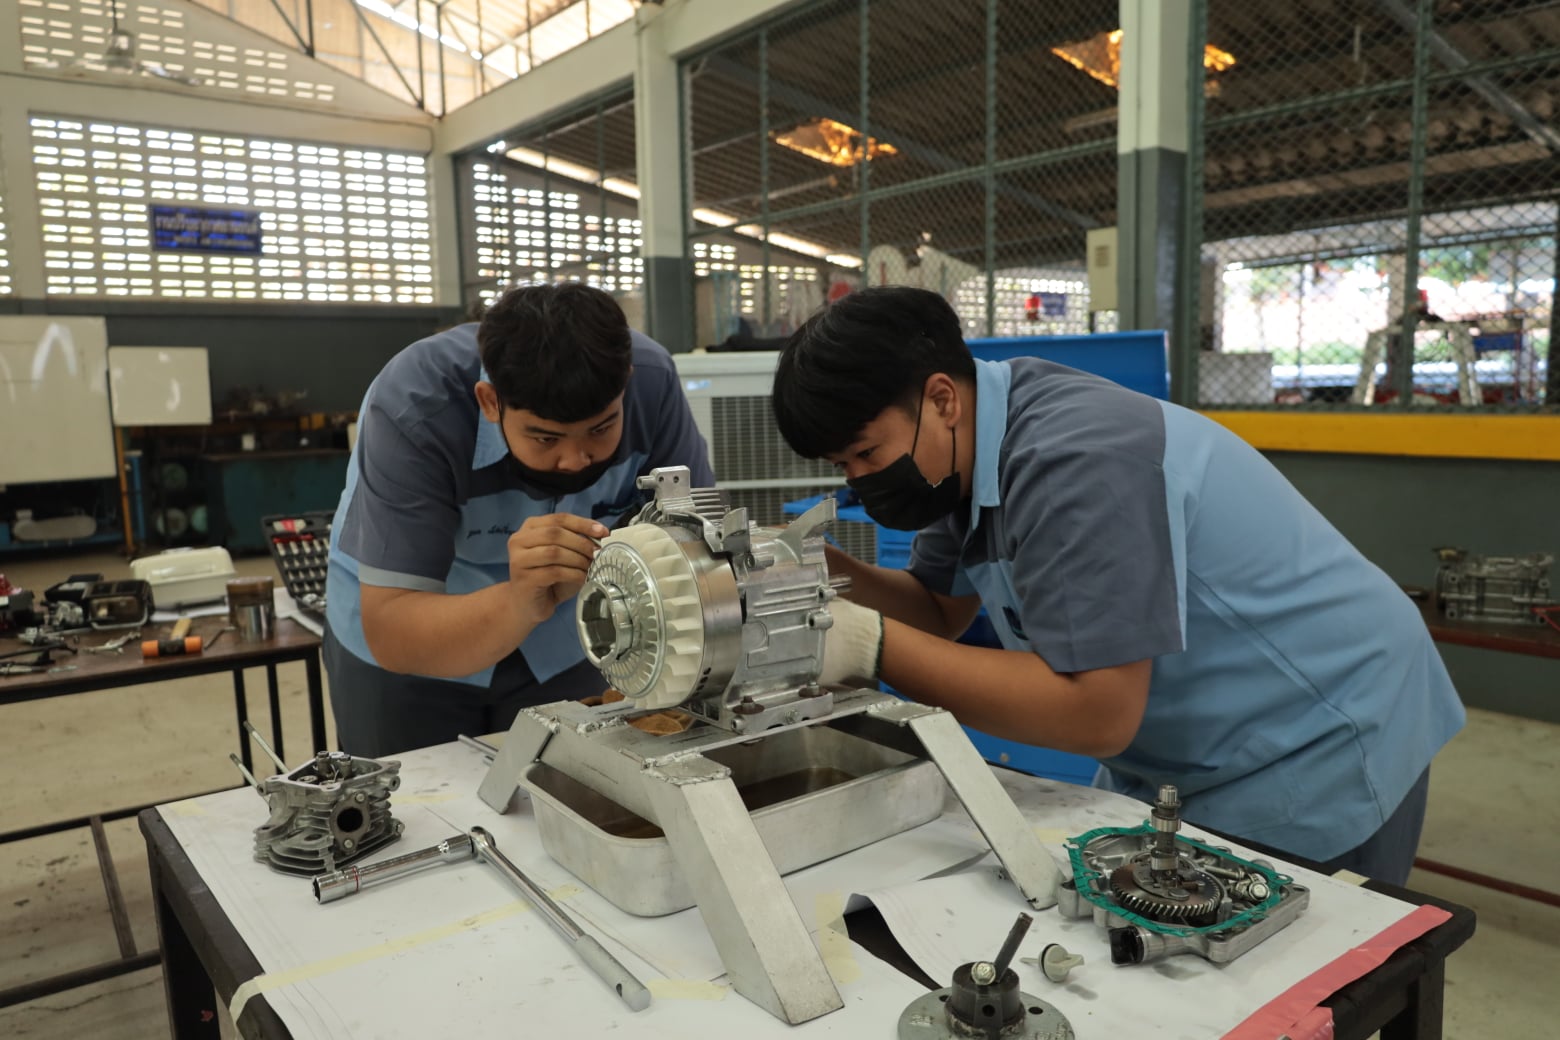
pixel 693 606
pixel 1159 893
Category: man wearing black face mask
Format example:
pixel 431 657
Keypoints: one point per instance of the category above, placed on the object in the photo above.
pixel 490 460
pixel 1166 601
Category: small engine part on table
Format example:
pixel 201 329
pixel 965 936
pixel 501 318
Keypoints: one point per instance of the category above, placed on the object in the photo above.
pixel 985 1001
pixel 325 813
pixel 1474 587
pixel 1158 893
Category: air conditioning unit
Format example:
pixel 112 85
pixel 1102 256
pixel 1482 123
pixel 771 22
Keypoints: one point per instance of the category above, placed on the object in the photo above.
pixel 729 393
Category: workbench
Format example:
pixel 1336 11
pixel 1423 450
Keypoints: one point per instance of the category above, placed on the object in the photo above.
pixel 87 672
pixel 453 944
pixel 1509 637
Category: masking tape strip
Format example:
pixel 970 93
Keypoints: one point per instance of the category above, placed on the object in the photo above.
pixel 834 939
pixel 275 980
pixel 431 798
pixel 686 989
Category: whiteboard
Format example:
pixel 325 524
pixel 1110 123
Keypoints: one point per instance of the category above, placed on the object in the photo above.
pixel 159 386
pixel 54 421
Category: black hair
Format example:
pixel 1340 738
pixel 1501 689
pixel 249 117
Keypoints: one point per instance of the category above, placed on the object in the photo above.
pixel 560 351
pixel 859 355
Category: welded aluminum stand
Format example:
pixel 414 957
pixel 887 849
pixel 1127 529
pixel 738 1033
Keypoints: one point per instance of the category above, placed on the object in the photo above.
pixel 766 948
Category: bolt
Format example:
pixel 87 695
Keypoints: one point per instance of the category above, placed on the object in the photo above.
pixel 983 973
pixel 348 843
pixel 359 797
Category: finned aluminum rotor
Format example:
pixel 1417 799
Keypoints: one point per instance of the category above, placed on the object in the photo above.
pixel 640 616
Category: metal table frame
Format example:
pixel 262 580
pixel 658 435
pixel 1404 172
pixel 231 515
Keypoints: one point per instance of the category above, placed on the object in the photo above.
pixel 292 642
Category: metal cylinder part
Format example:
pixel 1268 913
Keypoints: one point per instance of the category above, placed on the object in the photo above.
pixel 252 608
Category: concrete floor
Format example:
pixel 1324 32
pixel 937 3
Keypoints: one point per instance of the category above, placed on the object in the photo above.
pixel 1492 810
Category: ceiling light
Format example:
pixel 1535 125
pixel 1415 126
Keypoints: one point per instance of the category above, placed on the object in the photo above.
pixel 832 142
pixel 1100 57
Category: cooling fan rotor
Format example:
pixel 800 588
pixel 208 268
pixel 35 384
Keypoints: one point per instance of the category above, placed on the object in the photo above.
pixel 641 617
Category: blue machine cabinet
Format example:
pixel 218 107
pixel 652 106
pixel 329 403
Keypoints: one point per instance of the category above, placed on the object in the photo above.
pixel 246 486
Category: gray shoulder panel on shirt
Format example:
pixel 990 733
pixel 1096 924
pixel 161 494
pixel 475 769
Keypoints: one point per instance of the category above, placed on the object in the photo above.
pixel 394 580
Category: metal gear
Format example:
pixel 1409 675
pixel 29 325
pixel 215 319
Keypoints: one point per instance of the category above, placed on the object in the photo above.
pixel 1186 895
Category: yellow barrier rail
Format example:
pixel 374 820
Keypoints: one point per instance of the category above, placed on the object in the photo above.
pixel 1482 436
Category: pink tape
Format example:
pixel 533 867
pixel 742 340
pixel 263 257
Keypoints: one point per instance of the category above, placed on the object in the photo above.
pixel 1296 1012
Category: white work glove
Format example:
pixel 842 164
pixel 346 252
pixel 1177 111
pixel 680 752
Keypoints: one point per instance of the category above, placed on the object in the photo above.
pixel 853 645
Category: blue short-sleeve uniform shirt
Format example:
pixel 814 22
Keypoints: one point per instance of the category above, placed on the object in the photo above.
pixel 1296 695
pixel 432 494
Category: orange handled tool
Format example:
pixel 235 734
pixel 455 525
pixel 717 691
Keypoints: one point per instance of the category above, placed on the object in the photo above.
pixel 179 641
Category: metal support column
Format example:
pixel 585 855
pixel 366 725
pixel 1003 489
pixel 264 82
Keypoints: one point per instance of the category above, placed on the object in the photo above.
pixel 1151 172
pixel 663 204
pixel 1552 358
pixel 1400 351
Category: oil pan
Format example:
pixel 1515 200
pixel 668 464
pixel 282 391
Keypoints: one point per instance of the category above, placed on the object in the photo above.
pixel 814 793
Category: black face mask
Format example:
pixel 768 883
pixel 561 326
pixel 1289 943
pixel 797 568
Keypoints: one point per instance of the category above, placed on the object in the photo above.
pixel 553 482
pixel 897 496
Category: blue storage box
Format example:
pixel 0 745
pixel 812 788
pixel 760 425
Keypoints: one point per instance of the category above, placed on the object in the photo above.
pixel 1137 360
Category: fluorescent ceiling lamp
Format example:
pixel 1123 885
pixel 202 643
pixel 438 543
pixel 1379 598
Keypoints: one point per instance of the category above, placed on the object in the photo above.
pixel 1100 57
pixel 832 142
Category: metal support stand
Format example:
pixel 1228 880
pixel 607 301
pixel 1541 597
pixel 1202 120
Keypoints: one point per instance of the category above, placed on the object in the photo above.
pixel 763 942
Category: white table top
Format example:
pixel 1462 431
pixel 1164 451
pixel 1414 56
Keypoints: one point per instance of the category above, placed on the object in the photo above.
pixel 454 946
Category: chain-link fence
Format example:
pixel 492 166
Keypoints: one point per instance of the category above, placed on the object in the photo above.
pixel 1376 187
pixel 556 202
pixel 964 148
pixel 960 148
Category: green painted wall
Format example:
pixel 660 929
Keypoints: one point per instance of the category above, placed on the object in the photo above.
pixel 1396 510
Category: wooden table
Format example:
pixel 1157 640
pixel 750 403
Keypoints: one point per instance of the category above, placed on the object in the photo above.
pixel 1537 640
pixel 86 672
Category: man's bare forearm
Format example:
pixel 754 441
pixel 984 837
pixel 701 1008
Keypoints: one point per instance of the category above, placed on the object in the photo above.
pixel 436 633
pixel 1015 695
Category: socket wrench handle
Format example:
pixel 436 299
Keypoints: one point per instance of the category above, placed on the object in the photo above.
pixel 595 956
pixel 342 883
pixel 612 972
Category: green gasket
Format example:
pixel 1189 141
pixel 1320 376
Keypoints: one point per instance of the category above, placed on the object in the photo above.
pixel 1084 876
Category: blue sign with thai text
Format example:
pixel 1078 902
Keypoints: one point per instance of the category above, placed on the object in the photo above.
pixel 204 229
